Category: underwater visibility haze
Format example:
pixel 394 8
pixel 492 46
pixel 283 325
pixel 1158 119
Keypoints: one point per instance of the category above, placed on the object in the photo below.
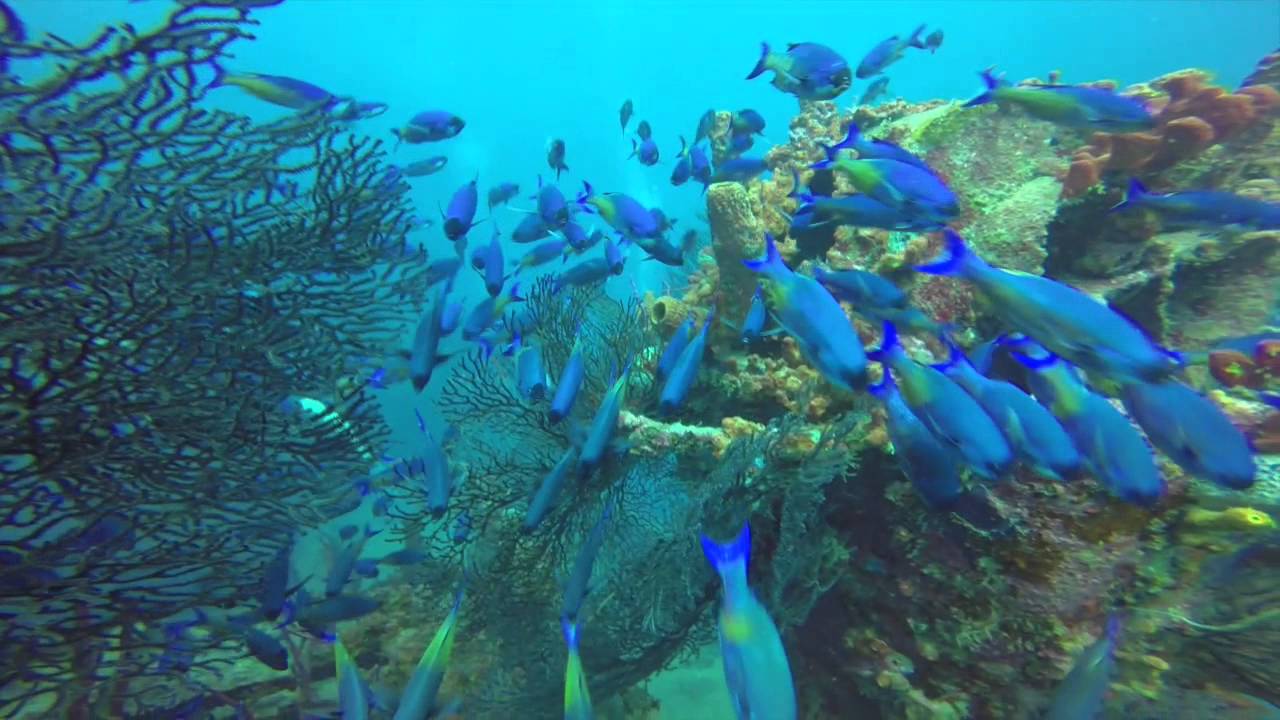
pixel 639 360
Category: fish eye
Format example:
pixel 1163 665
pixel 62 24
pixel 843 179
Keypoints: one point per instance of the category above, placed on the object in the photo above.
pixel 1255 519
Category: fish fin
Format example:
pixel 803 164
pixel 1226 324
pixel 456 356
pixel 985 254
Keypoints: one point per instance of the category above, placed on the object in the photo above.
pixel 635 148
pixel 220 79
pixel 889 341
pixel 762 64
pixel 1136 192
pixel 684 148
pixel 1271 399
pixel 798 191
pixel 771 261
pixel 953 261
pixel 915 41
pixel 991 83
pixel 737 550
pixel 882 388
pixel 1034 363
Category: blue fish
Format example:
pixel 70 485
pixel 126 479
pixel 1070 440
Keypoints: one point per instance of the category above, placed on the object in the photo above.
pixel 613 256
pixel 665 251
pixel 1080 694
pixel 450 317
pixel 645 150
pixel 553 209
pixel 531 375
pixel 600 436
pixel 350 109
pixel 1110 447
pixel 578 239
pixel 488 312
pixel 856 210
pixel 1193 431
pixel 739 143
pixel 461 528
pixel 542 254
pixel 954 417
pixel 1060 317
pixel 700 166
pixel 502 193
pixel 405 556
pixel 570 382
pixel 623 213
pixel 578 584
pixel 860 287
pixel 807 70
pixel 422 168
pixel 584 273
pixel 433 463
pixel 530 229
pixel 675 346
pixel 548 491
pixel 1031 430
pixel 685 371
pixel 275 582
pixel 868 149
pixel 424 355
pixel 753 324
pixel 887 52
pixel 912 190
pixel 878 87
pixel 1203 207
pixel 706 124
pixel 419 699
pixel 814 319
pixel 430 126
pixel 740 170
pixel 684 167
pixel 931 466
pixel 353 693
pixel 577 697
pixel 1068 105
pixel 748 122
pixel 756 669
pixel 492 265
pixel 459 217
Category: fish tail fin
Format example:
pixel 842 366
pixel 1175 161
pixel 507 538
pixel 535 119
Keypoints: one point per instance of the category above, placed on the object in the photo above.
pixel 762 64
pixel 991 84
pixel 957 256
pixel 584 196
pixel 684 147
pixel 1033 363
pixel 955 356
pixel 888 343
pixel 220 78
pixel 797 189
pixel 725 557
pixel 772 260
pixel 569 628
pixel 1133 196
pixel 635 148
pixel 915 41
pixel 514 293
pixel 884 387
pixel 849 142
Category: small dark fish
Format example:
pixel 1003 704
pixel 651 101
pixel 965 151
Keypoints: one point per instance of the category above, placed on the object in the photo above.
pixel 1203 207
pixel 613 256
pixel 544 498
pixel 888 52
pixel 878 87
pixel 531 374
pixel 501 193
pixel 599 439
pixel 555 157
pixel 406 556
pixel 366 567
pixel 706 124
pixel 644 131
pixel 741 170
pixel 275 583
pixel 542 254
pixel 494 278
pixel 584 273
pixel 675 346
pixel 422 168
pixel 348 532
pixel 1081 692
pixel 933 41
pixel 430 126
pixel 460 215
pixel 350 110
pixel 807 70
pixel 624 114
pixel 748 122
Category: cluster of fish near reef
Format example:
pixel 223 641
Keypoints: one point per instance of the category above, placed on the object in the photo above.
pixel 199 311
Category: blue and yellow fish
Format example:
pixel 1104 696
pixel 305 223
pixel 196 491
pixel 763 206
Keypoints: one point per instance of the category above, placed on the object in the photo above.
pixel 1193 431
pixel 577 696
pixel 419 699
pixel 810 315
pixel 276 89
pixel 1063 319
pixel 756 669
pixel 1069 105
